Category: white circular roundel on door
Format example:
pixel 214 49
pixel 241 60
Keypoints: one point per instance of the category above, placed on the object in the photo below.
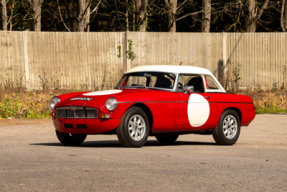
pixel 197 110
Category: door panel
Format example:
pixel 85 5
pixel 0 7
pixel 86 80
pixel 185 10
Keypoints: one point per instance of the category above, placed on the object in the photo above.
pixel 192 111
pixel 198 110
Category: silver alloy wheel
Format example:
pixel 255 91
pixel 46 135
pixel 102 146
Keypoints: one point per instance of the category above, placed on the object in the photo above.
pixel 137 127
pixel 229 126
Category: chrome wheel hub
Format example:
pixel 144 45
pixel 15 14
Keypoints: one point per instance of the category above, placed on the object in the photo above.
pixel 136 127
pixel 230 126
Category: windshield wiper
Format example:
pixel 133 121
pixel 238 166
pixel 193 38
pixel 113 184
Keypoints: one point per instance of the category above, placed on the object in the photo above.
pixel 134 86
pixel 141 86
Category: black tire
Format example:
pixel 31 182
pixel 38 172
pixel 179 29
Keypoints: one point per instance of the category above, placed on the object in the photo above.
pixel 168 139
pixel 71 139
pixel 223 133
pixel 127 128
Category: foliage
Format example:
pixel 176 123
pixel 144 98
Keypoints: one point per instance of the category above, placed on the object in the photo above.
pixel 130 54
pixel 24 104
pixel 120 51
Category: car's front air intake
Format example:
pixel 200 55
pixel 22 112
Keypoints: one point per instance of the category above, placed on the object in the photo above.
pixel 77 112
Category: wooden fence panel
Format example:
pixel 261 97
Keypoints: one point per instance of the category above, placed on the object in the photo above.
pixel 97 60
pixel 12 68
pixel 73 60
pixel 258 59
pixel 197 49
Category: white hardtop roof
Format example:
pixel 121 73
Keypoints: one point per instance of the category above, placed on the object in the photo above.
pixel 175 69
pixel 170 69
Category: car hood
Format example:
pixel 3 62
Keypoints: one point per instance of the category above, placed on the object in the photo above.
pixel 98 98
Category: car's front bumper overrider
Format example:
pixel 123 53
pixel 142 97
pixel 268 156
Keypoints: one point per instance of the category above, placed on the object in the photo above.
pixel 85 126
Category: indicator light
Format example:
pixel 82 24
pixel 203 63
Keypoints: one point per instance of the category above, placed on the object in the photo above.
pixel 104 116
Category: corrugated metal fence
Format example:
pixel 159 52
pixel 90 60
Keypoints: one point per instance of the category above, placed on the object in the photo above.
pixel 97 60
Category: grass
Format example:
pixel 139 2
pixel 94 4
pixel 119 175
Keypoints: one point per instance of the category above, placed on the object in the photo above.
pixel 273 110
pixel 20 103
pixel 267 101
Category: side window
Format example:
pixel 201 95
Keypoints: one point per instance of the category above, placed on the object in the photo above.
pixel 210 84
pixel 191 80
pixel 165 80
pixel 134 80
pixel 150 79
pixel 180 85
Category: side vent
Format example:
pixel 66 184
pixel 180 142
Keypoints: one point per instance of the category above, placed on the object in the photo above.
pixel 70 126
pixel 81 126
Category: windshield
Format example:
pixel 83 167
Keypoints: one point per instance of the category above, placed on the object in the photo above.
pixel 156 80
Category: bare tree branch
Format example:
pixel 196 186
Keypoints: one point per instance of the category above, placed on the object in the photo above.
pixel 62 17
pixel 181 4
pixel 159 16
pixel 96 8
pixel 69 16
pixel 281 17
pixel 167 4
pixel 262 9
pixel 194 13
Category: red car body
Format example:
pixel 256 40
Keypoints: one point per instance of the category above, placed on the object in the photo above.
pixel 168 111
pixel 168 114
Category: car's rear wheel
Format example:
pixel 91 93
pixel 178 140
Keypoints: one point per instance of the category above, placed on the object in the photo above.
pixel 71 139
pixel 167 139
pixel 134 128
pixel 228 129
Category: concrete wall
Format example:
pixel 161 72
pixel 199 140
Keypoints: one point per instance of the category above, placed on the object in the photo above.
pixel 77 60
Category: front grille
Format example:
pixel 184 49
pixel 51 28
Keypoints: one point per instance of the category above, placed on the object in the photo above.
pixel 77 112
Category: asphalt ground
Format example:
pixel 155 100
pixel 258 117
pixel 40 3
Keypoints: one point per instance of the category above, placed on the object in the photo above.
pixel 32 159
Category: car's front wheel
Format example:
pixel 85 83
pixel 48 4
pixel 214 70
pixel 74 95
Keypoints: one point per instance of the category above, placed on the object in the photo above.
pixel 71 139
pixel 228 129
pixel 134 128
pixel 168 139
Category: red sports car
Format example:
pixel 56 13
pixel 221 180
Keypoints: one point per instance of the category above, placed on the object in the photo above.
pixel 158 100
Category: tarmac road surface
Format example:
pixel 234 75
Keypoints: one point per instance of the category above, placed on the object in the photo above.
pixel 32 159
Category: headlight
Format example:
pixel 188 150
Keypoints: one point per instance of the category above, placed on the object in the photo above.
pixel 111 104
pixel 53 102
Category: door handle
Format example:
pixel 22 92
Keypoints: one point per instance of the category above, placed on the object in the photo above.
pixel 207 97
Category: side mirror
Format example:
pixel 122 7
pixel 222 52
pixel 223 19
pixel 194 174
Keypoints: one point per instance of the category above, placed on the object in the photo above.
pixel 188 89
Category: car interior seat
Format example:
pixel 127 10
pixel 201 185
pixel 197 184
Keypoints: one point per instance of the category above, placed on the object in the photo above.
pixel 196 82
pixel 163 82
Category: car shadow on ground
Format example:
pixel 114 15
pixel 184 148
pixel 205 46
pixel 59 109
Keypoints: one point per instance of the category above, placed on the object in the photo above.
pixel 115 143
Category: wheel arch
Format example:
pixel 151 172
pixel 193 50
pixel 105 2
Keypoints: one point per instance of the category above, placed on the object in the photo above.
pixel 147 111
pixel 236 110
